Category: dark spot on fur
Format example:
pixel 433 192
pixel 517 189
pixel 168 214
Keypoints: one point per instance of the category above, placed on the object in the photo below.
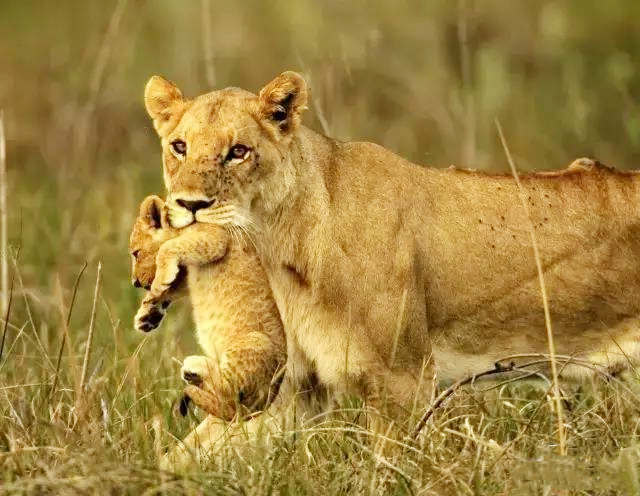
pixel 297 275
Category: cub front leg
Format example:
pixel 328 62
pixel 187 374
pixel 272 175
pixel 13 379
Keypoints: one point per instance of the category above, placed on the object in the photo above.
pixel 197 244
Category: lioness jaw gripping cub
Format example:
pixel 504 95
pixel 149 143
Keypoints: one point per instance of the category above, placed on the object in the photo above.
pixel 237 322
pixel 385 271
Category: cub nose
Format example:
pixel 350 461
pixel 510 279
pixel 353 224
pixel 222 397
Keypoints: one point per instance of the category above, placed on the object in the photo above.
pixel 195 205
pixel 136 283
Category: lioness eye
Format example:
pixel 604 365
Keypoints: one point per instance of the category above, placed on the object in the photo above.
pixel 179 146
pixel 135 253
pixel 238 152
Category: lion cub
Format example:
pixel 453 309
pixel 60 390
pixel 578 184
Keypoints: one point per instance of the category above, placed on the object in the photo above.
pixel 238 324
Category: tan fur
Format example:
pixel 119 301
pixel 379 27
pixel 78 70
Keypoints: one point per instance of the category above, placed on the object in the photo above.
pixel 237 321
pixel 377 264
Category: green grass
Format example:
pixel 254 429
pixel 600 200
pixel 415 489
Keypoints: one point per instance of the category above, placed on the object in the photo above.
pixel 561 79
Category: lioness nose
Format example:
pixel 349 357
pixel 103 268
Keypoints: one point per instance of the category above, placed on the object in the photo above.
pixel 195 205
pixel 136 283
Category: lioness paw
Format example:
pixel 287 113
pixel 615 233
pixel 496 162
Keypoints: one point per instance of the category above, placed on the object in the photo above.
pixel 148 317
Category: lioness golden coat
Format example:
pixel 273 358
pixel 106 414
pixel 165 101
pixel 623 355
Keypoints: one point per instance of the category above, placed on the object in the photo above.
pixel 382 268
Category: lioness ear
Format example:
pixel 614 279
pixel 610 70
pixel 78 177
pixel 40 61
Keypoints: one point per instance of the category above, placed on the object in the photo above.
pixel 164 103
pixel 283 100
pixel 151 211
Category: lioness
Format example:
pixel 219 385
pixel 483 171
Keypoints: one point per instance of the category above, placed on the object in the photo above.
pixel 381 268
pixel 237 321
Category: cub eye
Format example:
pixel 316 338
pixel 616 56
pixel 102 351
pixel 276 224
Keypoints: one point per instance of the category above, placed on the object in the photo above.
pixel 135 253
pixel 238 152
pixel 179 146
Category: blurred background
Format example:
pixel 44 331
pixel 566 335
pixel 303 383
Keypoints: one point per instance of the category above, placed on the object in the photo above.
pixel 426 79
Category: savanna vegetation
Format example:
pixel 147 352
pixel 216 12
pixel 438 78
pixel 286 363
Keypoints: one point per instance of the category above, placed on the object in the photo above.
pixel 80 390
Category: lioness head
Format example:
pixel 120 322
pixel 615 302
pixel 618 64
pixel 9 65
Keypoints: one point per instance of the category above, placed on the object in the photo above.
pixel 228 149
pixel 146 237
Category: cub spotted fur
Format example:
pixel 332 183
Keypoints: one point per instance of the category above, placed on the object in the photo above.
pixel 237 322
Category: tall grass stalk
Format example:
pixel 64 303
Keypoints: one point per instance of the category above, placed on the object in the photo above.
pixel 4 252
pixel 562 448
pixel 87 351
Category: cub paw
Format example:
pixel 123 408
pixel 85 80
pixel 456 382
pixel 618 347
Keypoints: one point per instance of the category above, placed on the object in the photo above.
pixel 148 317
pixel 191 378
pixel 195 370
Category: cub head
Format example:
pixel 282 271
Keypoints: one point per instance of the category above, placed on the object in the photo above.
pixel 228 151
pixel 146 237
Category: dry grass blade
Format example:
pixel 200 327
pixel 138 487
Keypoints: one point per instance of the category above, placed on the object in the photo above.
pixel 66 330
pixel 87 351
pixel 97 75
pixel 27 306
pixel 452 389
pixel 207 36
pixel 4 269
pixel 5 326
pixel 469 140
pixel 545 300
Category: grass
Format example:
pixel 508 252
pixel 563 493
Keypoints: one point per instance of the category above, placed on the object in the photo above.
pixel 426 79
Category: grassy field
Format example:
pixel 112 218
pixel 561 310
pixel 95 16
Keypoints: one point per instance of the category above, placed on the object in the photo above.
pixel 425 79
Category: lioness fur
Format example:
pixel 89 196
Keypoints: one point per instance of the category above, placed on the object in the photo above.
pixel 237 321
pixel 385 271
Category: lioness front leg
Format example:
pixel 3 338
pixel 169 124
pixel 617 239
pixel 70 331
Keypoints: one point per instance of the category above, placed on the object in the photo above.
pixel 196 245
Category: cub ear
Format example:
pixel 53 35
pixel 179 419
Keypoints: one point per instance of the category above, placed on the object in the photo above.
pixel 283 100
pixel 151 211
pixel 164 103
pixel 165 223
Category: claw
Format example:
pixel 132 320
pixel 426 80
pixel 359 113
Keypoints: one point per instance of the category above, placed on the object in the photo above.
pixel 192 378
pixel 148 318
